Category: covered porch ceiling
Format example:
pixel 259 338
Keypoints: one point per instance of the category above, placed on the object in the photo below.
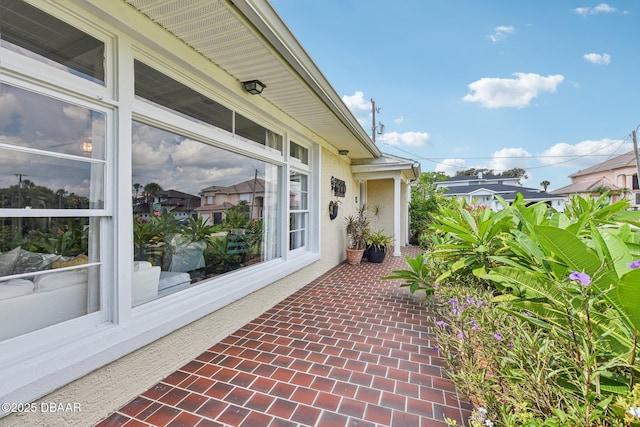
pixel 248 40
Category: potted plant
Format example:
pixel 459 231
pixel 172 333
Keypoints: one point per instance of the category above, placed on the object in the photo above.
pixel 186 246
pixel 377 245
pixel 357 228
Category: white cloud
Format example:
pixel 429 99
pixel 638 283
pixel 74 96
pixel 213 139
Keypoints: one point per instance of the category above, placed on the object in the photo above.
pixel 597 58
pixel 601 8
pixel 356 102
pixel 9 108
pixel 360 107
pixel 583 154
pixel 73 112
pixel 451 166
pixel 501 32
pixel 399 120
pixel 509 158
pixel 408 139
pixel 516 93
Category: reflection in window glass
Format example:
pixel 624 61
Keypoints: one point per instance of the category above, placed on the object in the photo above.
pixel 199 211
pixel 299 152
pixel 44 273
pixel 163 90
pixel 298 209
pixel 45 180
pixel 34 33
pixel 254 132
pixel 35 181
pixel 29 119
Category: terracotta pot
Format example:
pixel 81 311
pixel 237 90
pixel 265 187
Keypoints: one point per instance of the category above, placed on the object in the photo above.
pixel 354 256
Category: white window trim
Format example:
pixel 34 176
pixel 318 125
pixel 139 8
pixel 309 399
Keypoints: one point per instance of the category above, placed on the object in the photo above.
pixel 36 364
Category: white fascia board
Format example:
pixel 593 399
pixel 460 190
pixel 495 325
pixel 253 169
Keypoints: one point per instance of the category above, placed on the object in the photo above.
pixel 267 21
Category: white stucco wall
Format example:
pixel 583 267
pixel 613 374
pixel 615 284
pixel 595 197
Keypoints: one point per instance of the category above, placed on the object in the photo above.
pixel 380 193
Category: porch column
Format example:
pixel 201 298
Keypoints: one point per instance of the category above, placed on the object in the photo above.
pixel 407 219
pixel 397 200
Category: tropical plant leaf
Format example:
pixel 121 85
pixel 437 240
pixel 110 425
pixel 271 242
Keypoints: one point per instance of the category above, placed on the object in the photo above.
pixel 629 296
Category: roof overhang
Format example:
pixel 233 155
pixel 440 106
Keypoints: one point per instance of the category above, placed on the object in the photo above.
pixel 386 166
pixel 249 40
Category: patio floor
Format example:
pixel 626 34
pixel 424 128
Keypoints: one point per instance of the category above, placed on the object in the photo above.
pixel 348 349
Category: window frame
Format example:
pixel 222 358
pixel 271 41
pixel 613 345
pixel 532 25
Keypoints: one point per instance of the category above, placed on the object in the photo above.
pixel 94 340
pixel 33 75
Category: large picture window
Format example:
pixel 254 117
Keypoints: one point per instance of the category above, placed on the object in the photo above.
pixel 199 211
pixel 52 164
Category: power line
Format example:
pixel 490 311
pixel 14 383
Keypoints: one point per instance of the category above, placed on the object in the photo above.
pixel 571 158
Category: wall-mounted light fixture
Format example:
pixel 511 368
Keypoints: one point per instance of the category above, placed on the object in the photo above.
pixel 343 152
pixel 254 87
pixel 87 147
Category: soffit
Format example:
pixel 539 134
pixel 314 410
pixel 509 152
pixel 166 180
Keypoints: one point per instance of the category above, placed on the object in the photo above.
pixel 249 41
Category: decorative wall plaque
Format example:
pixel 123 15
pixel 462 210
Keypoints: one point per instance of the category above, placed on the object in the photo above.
pixel 338 186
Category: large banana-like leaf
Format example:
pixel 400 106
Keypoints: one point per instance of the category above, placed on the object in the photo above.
pixel 578 256
pixel 569 248
pixel 629 296
pixel 535 284
pixel 614 251
pixel 470 221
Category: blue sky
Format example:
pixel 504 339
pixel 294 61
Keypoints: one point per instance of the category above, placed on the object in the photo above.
pixel 545 85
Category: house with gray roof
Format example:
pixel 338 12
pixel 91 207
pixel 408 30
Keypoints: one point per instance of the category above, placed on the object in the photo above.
pixel 482 190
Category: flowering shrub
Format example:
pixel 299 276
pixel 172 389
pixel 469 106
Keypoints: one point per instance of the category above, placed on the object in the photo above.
pixel 537 313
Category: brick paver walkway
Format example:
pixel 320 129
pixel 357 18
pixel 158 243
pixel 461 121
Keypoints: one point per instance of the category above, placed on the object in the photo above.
pixel 348 349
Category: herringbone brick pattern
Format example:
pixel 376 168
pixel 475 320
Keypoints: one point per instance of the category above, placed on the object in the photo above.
pixel 348 349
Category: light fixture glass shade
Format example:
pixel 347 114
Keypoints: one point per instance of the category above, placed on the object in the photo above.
pixel 87 147
pixel 254 87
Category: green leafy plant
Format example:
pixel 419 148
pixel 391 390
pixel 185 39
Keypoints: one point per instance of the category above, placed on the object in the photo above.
pixel 416 277
pixel 69 238
pixel 379 240
pixel 198 229
pixel 357 228
pixel 562 292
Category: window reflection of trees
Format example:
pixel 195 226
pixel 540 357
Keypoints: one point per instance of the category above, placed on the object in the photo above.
pixel 234 223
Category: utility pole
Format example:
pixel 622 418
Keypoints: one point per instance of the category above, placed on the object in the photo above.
pixel 380 127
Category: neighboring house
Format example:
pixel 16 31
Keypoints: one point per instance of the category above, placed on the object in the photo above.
pixel 180 205
pixel 482 190
pixel 216 200
pixel 618 175
pixel 98 95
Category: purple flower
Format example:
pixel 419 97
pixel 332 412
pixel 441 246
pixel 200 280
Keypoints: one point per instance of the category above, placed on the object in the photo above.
pixel 455 310
pixel 497 336
pixel 528 313
pixel 510 345
pixel 480 303
pixel 475 326
pixel 453 301
pixel 441 323
pixel 436 348
pixel 635 264
pixel 471 301
pixel 582 278
pixel 436 286
pixel 460 335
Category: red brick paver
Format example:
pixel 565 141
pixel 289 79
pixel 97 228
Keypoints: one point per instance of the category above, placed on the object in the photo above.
pixel 348 349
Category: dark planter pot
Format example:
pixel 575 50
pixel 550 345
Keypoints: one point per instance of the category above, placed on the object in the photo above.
pixel 376 253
